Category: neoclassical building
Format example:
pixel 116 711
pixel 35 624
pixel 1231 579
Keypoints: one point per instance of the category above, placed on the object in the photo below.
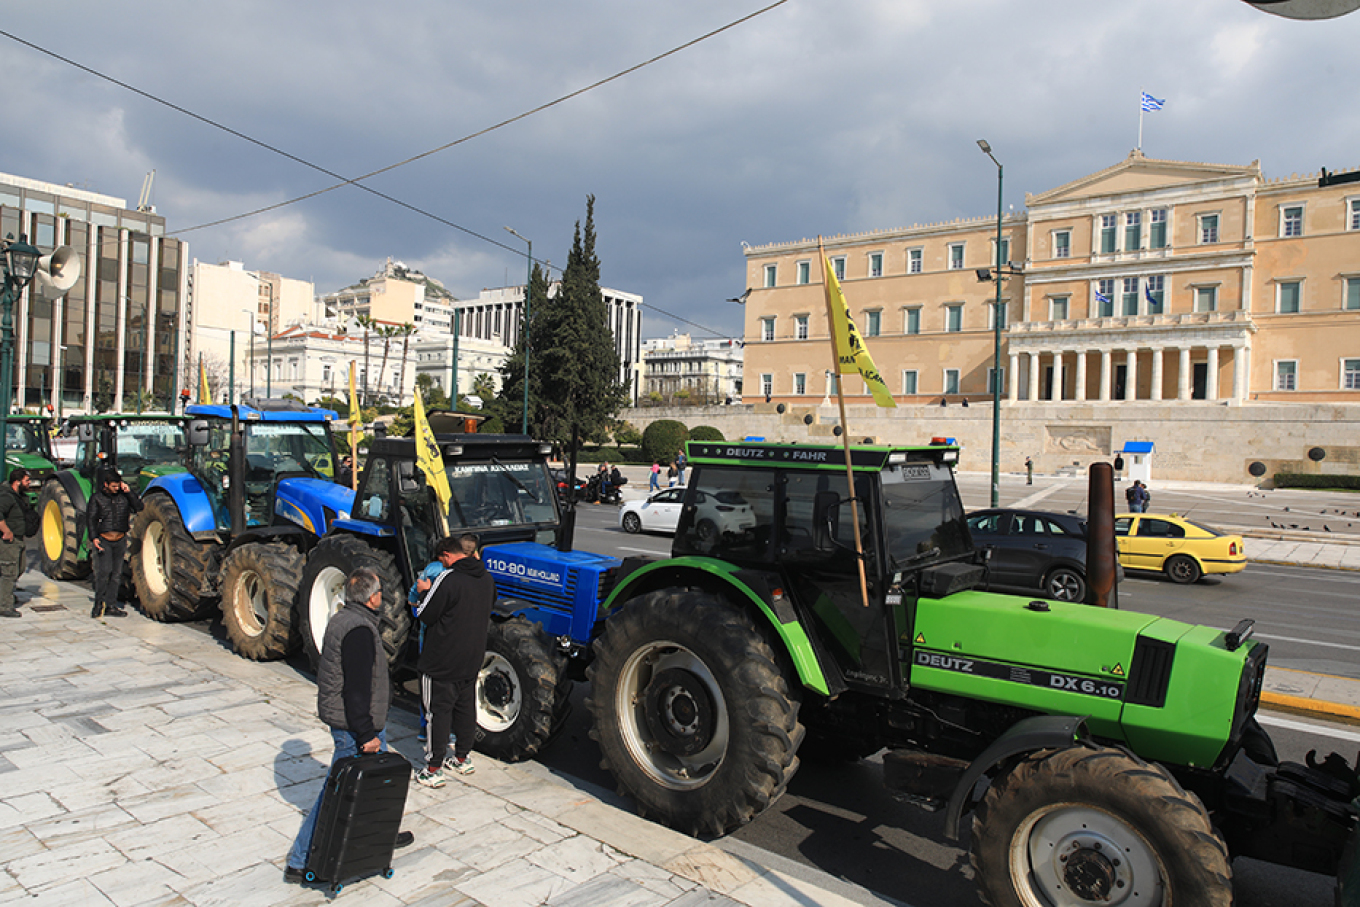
pixel 1150 280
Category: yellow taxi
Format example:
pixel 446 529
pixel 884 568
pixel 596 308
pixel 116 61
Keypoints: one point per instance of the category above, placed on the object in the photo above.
pixel 1182 549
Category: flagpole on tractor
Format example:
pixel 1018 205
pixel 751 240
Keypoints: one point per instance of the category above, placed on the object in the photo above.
pixel 833 290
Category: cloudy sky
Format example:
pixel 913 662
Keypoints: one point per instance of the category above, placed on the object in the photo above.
pixel 811 117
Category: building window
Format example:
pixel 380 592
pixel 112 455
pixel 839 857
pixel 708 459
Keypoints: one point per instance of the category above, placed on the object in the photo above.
pixel 992 310
pixel 1157 228
pixel 801 327
pixel 1353 293
pixel 1057 308
pixel 1062 244
pixel 767 329
pixel 1353 222
pixel 799 383
pixel 873 323
pixel 951 381
pixel 1286 375
pixel 838 265
pixel 832 384
pixel 325 375
pixel 953 318
pixel 804 272
pixel 909 381
pixel 956 256
pixel 1206 299
pixel 1105 298
pixel 913 321
pixel 1129 297
pixel 1153 289
pixel 1287 297
pixel 1005 255
pixel 1133 231
pixel 875 264
pixel 770 272
pixel 1208 228
pixel 767 384
pixel 1107 233
pixel 1291 221
pixel 992 387
pixel 1350 374
pixel 913 261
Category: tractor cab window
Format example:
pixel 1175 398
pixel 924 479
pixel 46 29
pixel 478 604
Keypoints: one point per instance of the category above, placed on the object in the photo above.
pixel 796 528
pixel 296 448
pixel 23 437
pixel 922 515
pixel 209 464
pixel 417 509
pixel 142 445
pixel 371 502
pixel 728 513
pixel 498 494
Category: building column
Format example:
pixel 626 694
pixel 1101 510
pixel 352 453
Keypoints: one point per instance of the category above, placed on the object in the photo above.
pixel 1034 377
pixel 1013 378
pixel 1080 395
pixel 1131 375
pixel 1239 385
pixel 1211 379
pixel 1105 371
pixel 1156 373
pixel 1183 379
pixel 1057 395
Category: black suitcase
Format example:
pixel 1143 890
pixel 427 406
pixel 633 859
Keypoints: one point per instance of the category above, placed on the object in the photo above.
pixel 359 817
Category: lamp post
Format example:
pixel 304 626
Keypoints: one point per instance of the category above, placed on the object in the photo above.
pixel 996 338
pixel 254 328
pixel 21 263
pixel 528 281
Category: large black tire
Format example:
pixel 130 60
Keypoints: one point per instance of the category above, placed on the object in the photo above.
pixel 321 593
pixel 1088 825
pixel 693 714
pixel 1183 569
pixel 173 574
pixel 519 693
pixel 1065 585
pixel 259 588
pixel 59 534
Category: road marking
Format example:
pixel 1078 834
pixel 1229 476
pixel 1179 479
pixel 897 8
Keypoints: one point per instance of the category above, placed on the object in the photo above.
pixel 1028 503
pixel 1322 730
pixel 1308 642
pixel 636 550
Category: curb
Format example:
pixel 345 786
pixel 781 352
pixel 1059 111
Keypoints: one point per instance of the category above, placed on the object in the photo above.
pixel 1301 705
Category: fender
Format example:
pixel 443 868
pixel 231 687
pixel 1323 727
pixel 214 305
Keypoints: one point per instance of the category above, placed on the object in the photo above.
pixel 305 502
pixel 710 573
pixel 363 527
pixel 1042 732
pixel 191 498
pixel 80 498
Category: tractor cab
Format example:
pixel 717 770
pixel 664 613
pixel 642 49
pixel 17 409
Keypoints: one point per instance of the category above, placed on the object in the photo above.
pixel 141 447
pixel 28 444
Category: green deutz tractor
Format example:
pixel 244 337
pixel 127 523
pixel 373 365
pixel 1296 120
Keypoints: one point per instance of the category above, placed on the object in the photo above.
pixel 28 443
pixel 141 447
pixel 1104 756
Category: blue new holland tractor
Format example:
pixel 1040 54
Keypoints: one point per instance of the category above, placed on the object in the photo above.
pixel 236 527
pixel 548 594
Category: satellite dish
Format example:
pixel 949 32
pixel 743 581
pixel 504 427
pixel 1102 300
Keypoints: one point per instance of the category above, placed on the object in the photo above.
pixel 1307 9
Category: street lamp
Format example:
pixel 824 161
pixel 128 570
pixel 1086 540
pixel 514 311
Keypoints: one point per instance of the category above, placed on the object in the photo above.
pixel 254 329
pixel 528 281
pixel 996 337
pixel 21 263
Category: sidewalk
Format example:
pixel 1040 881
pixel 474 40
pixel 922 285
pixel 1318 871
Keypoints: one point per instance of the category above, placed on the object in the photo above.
pixel 146 764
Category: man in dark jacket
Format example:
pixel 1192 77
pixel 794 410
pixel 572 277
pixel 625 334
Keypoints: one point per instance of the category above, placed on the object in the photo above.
pixel 109 516
pixel 12 525
pixel 352 694
pixel 455 612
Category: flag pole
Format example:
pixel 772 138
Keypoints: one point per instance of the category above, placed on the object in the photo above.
pixel 1140 119
pixel 827 277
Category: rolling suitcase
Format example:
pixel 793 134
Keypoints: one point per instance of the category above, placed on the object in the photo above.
pixel 359 817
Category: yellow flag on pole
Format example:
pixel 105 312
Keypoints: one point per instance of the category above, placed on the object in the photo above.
pixel 204 395
pixel 851 354
pixel 356 418
pixel 429 459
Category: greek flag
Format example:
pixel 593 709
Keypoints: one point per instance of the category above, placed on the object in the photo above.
pixel 1151 103
pixel 1101 297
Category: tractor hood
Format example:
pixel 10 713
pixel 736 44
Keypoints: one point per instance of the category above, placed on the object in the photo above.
pixel 313 503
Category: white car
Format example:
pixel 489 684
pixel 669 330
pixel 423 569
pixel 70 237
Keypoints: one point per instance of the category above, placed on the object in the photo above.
pixel 723 512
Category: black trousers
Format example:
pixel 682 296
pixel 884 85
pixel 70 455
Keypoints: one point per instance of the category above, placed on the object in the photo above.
pixel 451 705
pixel 108 571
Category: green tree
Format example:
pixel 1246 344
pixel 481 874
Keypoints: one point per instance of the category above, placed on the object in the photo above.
pixel 405 332
pixel 484 386
pixel 663 439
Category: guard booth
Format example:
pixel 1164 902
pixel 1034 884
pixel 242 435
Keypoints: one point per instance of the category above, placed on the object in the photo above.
pixel 1137 460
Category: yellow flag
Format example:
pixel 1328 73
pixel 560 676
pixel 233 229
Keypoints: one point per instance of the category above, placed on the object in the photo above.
pixel 851 354
pixel 355 417
pixel 204 395
pixel 429 459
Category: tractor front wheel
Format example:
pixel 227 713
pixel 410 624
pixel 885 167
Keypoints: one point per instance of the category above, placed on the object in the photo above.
pixel 259 586
pixel 694 716
pixel 1090 825
pixel 322 592
pixel 172 573
pixel 521 691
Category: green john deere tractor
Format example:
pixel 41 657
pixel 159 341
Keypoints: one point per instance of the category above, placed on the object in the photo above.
pixel 141 447
pixel 1105 756
pixel 28 443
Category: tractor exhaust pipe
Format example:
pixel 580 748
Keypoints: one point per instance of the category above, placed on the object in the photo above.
pixel 1102 559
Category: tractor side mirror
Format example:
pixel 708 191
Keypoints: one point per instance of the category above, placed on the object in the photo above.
pixel 826 510
pixel 196 433
pixel 85 432
pixel 407 481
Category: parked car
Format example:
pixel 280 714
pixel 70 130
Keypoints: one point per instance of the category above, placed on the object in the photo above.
pixel 715 512
pixel 1033 549
pixel 559 478
pixel 1182 549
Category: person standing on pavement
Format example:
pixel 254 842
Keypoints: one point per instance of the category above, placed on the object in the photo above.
pixel 1029 471
pixel 1144 498
pixel 352 694
pixel 109 517
pixel 656 476
pixel 455 612
pixel 680 462
pixel 1131 497
pixel 13 526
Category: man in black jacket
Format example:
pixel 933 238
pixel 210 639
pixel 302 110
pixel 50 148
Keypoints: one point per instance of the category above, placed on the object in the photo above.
pixel 456 612
pixel 12 525
pixel 109 517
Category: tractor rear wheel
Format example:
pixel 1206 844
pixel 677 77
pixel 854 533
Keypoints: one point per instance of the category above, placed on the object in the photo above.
pixel 694 716
pixel 322 592
pixel 259 587
pixel 172 573
pixel 59 534
pixel 520 691
pixel 1090 825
